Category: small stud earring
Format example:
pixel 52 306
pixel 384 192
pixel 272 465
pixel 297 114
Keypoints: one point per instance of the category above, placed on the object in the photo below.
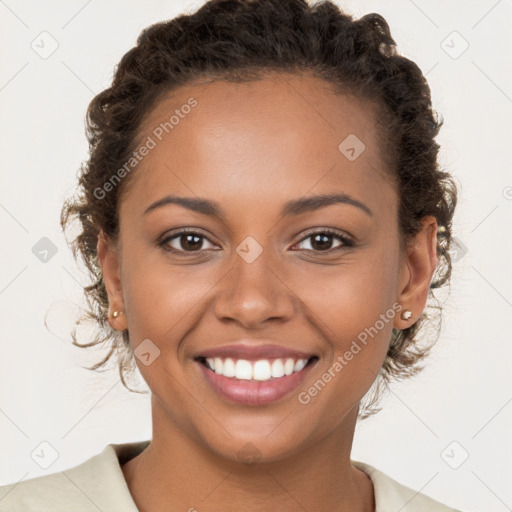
pixel 406 314
pixel 115 314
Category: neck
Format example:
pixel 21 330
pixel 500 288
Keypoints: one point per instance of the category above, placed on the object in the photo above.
pixel 176 472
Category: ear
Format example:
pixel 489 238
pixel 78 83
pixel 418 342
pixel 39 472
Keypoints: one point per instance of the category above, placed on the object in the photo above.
pixel 108 257
pixel 417 270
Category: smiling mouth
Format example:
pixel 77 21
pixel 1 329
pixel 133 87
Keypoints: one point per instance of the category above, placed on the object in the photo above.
pixel 261 370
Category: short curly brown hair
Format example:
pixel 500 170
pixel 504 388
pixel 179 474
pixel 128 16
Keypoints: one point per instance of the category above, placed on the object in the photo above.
pixel 240 40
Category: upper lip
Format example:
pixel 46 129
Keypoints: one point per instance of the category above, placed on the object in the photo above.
pixel 252 352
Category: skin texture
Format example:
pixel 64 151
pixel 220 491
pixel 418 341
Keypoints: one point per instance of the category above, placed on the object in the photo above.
pixel 252 147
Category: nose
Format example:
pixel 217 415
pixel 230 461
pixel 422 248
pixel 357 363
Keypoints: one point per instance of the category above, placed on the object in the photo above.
pixel 254 292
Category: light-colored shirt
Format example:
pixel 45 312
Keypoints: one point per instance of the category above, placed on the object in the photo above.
pixel 98 484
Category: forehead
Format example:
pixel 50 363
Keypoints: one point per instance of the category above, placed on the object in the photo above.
pixel 283 134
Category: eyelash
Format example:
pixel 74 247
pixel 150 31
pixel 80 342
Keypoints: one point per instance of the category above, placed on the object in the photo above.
pixel 347 242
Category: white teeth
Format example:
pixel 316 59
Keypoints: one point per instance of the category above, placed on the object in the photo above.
pixel 218 365
pixel 277 368
pixel 261 370
pixel 243 370
pixel 299 365
pixel 289 366
pixel 229 368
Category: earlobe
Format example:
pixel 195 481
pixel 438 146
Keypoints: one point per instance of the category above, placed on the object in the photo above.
pixel 419 264
pixel 108 258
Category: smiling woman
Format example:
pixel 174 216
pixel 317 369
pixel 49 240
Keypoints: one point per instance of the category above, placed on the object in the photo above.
pixel 265 256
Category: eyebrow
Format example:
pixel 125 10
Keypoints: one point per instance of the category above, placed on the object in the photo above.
pixel 294 207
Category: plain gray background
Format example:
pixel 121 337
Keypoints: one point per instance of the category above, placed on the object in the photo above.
pixel 446 433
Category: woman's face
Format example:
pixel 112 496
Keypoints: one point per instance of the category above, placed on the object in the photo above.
pixel 265 264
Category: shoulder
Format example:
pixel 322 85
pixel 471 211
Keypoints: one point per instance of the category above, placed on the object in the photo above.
pixel 392 495
pixel 96 484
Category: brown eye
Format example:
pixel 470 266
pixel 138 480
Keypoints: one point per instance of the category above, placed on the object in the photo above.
pixel 322 241
pixel 185 241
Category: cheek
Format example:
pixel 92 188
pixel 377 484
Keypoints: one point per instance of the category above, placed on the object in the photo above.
pixel 160 299
pixel 354 305
pixel 355 315
pixel 357 292
pixel 163 305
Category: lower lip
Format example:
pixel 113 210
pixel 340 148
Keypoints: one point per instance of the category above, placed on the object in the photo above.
pixel 254 393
